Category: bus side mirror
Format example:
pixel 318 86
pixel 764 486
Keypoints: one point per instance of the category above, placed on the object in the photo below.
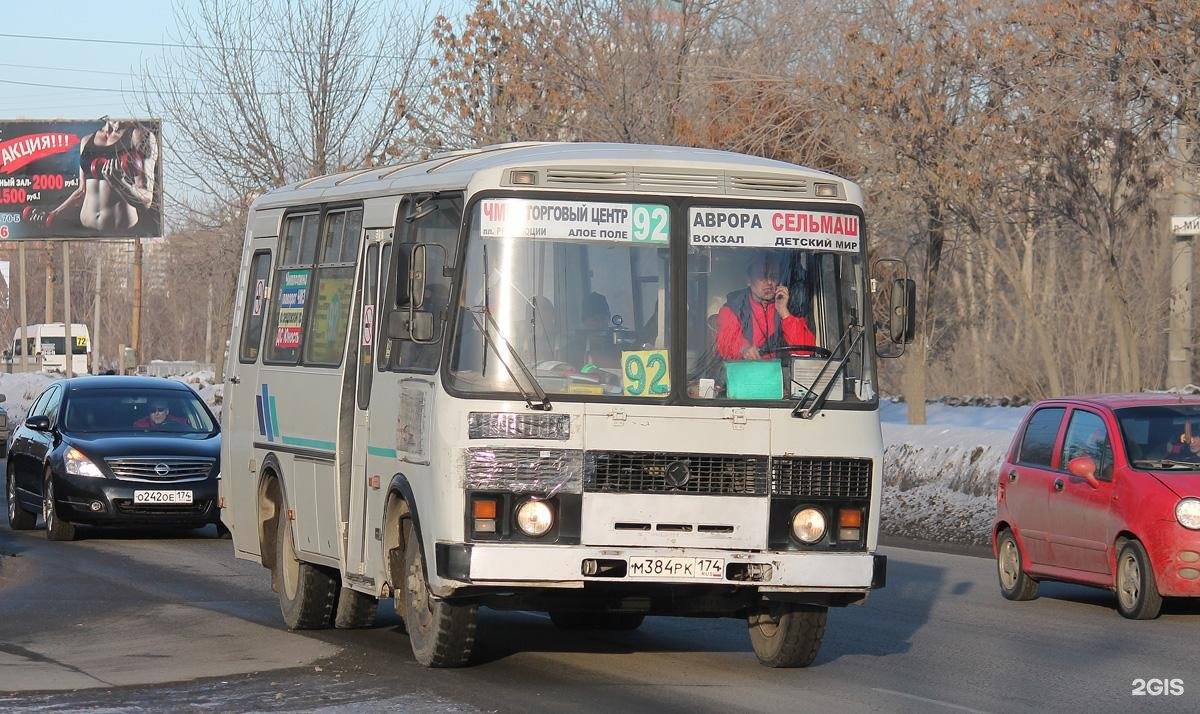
pixel 902 311
pixel 416 275
pixel 410 325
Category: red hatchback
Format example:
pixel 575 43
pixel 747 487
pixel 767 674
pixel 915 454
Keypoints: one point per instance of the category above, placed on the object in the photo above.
pixel 1104 491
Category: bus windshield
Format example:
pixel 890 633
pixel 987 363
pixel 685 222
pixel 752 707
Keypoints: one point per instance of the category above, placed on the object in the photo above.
pixel 577 295
pixel 570 287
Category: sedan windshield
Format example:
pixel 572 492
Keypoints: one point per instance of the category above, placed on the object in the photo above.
pixel 144 410
pixel 1162 437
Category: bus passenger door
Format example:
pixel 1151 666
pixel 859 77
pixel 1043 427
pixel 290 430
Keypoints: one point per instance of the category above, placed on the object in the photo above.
pixel 363 480
pixel 240 415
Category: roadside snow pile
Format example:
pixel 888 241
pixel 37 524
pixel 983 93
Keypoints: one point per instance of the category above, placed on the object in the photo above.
pixel 210 392
pixel 940 478
pixel 20 389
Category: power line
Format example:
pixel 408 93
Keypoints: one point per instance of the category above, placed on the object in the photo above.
pixel 198 93
pixel 184 46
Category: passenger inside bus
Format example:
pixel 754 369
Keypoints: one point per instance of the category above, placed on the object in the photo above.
pixel 757 320
pixel 596 345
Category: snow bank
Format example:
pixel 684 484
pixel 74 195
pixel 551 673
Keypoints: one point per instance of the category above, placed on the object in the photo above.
pixel 940 478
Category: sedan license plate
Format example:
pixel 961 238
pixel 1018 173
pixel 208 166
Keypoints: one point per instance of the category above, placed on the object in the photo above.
pixel 702 568
pixel 170 497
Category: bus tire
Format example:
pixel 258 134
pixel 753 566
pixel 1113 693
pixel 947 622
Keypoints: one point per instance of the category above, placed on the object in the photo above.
pixel 354 609
pixel 786 634
pixel 596 620
pixel 306 591
pixel 442 634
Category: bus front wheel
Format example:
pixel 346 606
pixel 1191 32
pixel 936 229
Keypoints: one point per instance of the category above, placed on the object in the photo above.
pixel 306 591
pixel 442 634
pixel 786 634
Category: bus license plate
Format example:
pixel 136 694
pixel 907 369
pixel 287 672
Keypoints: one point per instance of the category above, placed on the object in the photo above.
pixel 703 568
pixel 177 497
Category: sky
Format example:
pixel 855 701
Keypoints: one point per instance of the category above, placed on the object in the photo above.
pixel 78 60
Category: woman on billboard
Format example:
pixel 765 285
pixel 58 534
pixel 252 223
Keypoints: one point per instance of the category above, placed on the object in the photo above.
pixel 117 169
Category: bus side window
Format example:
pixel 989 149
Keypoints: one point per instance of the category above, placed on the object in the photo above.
pixel 439 226
pixel 333 288
pixel 290 289
pixel 256 297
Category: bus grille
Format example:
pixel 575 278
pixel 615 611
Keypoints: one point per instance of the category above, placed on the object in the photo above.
pixel 647 472
pixel 821 477
pixel 160 469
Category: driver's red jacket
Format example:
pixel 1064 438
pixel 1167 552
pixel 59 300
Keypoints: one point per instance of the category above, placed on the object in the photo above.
pixel 764 319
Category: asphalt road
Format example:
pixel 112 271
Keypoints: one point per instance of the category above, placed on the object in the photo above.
pixel 150 621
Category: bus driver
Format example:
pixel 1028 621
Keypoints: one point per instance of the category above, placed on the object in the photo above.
pixel 758 317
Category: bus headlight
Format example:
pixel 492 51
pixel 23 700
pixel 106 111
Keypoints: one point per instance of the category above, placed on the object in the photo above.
pixel 1187 512
pixel 535 518
pixel 808 525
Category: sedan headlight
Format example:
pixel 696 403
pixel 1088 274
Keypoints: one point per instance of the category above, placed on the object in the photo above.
pixel 808 525
pixel 1187 512
pixel 80 465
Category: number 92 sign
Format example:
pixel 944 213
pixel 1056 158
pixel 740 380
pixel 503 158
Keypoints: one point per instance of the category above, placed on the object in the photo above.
pixel 645 373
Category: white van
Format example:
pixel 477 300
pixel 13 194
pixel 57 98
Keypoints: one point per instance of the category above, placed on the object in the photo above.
pixel 49 341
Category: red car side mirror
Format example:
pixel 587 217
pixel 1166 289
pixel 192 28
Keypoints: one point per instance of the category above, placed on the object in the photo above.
pixel 1084 467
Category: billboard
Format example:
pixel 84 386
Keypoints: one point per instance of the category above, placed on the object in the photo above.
pixel 80 179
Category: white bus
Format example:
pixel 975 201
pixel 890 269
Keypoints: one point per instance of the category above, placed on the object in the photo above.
pixel 48 341
pixel 601 381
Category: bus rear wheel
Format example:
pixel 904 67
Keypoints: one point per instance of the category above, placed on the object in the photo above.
pixel 786 634
pixel 354 609
pixel 442 634
pixel 306 591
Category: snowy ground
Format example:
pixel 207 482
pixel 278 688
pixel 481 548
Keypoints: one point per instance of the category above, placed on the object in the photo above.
pixel 939 479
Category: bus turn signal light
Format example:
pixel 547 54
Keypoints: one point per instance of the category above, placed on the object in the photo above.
pixel 483 512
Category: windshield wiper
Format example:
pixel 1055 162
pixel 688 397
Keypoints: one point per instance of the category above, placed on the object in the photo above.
pixel 516 356
pixel 1166 464
pixel 818 400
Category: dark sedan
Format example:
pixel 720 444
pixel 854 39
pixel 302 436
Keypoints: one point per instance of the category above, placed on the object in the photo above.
pixel 111 451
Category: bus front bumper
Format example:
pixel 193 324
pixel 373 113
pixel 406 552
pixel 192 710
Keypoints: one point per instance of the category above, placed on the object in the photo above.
pixel 516 565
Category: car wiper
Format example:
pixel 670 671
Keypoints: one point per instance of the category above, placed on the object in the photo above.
pixel 1165 464
pixel 516 357
pixel 818 400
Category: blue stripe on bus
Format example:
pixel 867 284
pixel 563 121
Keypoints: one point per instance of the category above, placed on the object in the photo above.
pixel 275 419
pixel 380 451
pixel 266 401
pixel 308 443
pixel 258 407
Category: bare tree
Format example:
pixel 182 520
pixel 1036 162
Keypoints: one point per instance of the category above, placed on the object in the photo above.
pixel 266 93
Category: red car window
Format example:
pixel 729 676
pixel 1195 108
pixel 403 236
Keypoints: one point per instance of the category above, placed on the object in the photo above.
pixel 1037 444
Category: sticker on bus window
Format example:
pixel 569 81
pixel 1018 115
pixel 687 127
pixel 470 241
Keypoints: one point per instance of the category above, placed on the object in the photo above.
pixel 574 220
pixel 645 373
pixel 773 228
pixel 292 297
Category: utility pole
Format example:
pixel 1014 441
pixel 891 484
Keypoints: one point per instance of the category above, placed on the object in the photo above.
pixel 68 338
pixel 24 312
pixel 96 311
pixel 1179 337
pixel 137 301
pixel 49 282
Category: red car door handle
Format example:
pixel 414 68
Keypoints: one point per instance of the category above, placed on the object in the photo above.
pixel 1012 475
pixel 1058 484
